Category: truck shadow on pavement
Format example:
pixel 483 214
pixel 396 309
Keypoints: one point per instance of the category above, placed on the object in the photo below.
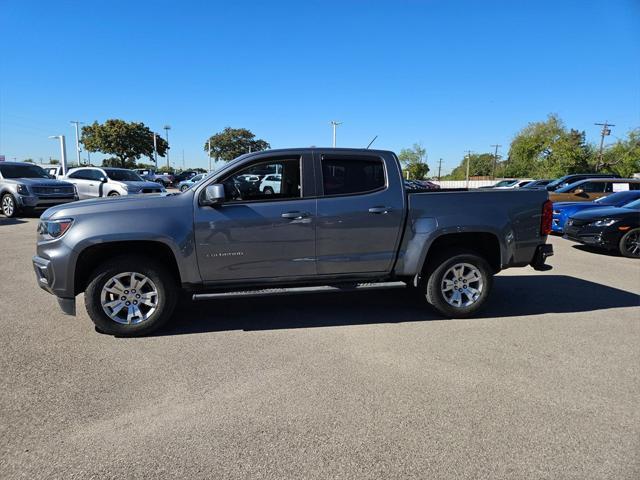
pixel 513 296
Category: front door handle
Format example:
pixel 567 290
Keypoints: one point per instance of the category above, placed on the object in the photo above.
pixel 379 210
pixel 295 215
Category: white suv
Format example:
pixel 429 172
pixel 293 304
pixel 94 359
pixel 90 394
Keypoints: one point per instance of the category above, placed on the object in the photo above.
pixel 93 182
pixel 271 184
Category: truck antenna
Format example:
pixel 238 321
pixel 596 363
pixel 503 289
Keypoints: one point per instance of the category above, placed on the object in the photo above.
pixel 374 139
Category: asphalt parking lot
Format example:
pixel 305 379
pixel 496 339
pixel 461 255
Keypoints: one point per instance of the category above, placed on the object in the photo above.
pixel 544 384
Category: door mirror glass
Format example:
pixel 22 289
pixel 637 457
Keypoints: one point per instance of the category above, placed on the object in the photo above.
pixel 213 194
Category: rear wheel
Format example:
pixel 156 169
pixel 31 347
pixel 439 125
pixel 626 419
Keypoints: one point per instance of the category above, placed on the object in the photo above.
pixel 113 194
pixel 459 283
pixel 630 244
pixel 8 205
pixel 268 191
pixel 130 296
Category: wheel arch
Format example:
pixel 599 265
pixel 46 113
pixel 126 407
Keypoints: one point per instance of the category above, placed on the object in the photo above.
pixel 485 244
pixel 92 256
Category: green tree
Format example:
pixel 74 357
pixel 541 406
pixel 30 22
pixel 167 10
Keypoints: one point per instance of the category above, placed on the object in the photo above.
pixel 548 149
pixel 413 161
pixel 29 160
pixel 480 165
pixel 233 142
pixel 126 141
pixel 623 157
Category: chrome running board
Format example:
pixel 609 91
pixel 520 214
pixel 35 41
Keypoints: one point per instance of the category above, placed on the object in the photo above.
pixel 267 292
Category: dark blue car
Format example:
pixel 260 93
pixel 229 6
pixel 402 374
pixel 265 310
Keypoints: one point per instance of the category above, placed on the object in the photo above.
pixel 563 210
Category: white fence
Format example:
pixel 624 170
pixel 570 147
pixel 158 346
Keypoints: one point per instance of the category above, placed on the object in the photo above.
pixel 463 183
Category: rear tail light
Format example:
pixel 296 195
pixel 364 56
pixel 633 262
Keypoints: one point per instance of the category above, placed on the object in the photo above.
pixel 547 217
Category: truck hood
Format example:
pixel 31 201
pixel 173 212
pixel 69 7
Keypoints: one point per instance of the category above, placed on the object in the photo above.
pixel 609 212
pixel 105 205
pixel 40 182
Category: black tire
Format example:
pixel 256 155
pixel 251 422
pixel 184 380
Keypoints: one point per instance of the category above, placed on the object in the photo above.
pixel 440 266
pixel 184 188
pixel 167 295
pixel 113 194
pixel 161 182
pixel 629 245
pixel 268 191
pixel 9 206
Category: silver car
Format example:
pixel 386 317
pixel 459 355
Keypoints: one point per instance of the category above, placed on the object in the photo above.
pixel 93 182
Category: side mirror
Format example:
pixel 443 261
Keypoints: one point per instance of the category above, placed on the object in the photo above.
pixel 579 192
pixel 103 179
pixel 213 194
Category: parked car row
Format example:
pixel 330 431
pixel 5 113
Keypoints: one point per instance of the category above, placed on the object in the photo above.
pixel 25 187
pixel 614 228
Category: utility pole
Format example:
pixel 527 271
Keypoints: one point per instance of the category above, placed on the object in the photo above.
pixel 468 163
pixel 439 168
pixel 155 149
pixel 334 124
pixel 63 153
pixel 603 133
pixel 495 160
pixel 167 128
pixel 76 123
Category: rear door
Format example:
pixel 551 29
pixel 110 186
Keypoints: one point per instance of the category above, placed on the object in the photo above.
pixel 360 213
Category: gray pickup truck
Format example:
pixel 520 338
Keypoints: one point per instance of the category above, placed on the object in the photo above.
pixel 337 217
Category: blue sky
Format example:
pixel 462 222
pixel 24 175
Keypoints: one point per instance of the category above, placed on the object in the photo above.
pixel 453 75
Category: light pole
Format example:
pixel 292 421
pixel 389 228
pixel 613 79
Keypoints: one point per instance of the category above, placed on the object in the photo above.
pixel 166 129
pixel 155 149
pixel 63 153
pixel 468 163
pixel 76 123
pixel 334 124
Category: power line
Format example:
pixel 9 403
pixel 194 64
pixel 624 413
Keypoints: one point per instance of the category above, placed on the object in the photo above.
pixel 603 133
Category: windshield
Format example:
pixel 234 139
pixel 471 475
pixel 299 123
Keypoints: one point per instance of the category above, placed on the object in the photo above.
pixel 556 182
pixel 635 205
pixel 23 171
pixel 123 175
pixel 618 198
pixel 505 183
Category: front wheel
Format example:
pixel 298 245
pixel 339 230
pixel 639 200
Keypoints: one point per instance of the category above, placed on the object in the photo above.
pixel 113 194
pixel 130 296
pixel 8 205
pixel 630 244
pixel 459 283
pixel 184 188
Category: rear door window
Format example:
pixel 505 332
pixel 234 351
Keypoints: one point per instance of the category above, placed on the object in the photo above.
pixel 342 176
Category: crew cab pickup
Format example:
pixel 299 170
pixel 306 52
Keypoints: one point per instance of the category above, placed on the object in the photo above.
pixel 339 217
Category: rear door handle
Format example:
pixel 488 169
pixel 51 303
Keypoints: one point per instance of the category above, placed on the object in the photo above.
pixel 295 215
pixel 379 210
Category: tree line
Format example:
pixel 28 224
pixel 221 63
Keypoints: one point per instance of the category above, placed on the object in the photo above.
pixel 128 142
pixel 548 149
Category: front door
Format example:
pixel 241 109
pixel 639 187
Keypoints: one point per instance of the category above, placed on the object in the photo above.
pixel 258 233
pixel 359 214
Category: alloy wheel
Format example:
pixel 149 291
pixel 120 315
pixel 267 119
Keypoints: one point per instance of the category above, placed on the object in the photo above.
pixel 8 206
pixel 462 285
pixel 129 298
